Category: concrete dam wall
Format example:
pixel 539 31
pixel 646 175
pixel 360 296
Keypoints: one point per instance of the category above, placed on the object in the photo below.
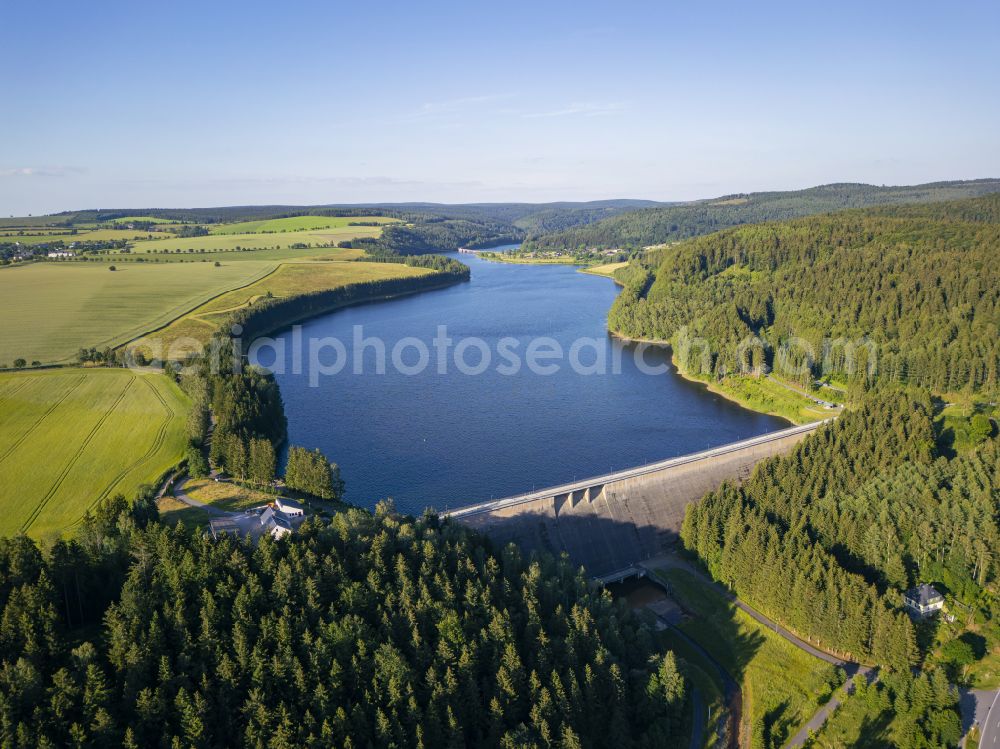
pixel 609 523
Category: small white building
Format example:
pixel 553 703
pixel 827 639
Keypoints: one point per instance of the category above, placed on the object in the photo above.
pixel 923 600
pixel 288 507
pixel 61 253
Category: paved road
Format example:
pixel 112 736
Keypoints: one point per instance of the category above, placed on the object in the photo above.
pixel 981 708
pixel 849 667
pixel 698 720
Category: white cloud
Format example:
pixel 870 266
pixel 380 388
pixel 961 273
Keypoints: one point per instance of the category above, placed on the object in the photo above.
pixel 582 109
pixel 46 171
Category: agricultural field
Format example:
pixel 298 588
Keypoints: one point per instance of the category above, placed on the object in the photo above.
pixel 33 236
pixel 297 223
pixel 781 684
pixel 142 219
pixel 289 279
pixel 51 310
pixel 224 255
pixel 279 240
pixel 71 437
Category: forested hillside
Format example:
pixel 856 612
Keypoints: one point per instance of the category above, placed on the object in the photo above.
pixel 652 226
pixel 374 630
pixel 908 295
pixel 827 539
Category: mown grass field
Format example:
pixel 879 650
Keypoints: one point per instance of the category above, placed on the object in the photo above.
pixel 51 310
pixel 70 437
pixel 781 684
pixel 226 495
pixel 289 279
pixel 297 223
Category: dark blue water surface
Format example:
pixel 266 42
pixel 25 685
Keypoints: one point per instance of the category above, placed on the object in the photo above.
pixel 446 440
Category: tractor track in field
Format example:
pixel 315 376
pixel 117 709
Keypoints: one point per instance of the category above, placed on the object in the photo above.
pixel 17 388
pixel 76 456
pixel 17 443
pixel 153 448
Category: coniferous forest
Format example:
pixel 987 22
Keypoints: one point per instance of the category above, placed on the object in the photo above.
pixel 907 294
pixel 640 228
pixel 372 630
pixel 827 539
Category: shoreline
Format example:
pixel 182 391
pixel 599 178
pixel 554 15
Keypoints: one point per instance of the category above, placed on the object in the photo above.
pixel 715 388
pixel 495 257
pixel 374 299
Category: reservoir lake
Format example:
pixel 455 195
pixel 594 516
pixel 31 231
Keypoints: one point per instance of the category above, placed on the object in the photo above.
pixel 446 440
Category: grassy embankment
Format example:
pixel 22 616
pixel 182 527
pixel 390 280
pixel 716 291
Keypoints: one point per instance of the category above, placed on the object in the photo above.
pixel 781 684
pixel 757 394
pixel 70 437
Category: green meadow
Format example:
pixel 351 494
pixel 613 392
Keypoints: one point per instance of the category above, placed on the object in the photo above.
pixel 94 235
pixel 216 242
pixel 70 437
pixel 51 310
pixel 288 280
pixel 297 223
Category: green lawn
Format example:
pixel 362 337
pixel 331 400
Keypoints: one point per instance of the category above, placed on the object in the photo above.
pixel 781 684
pixel 70 437
pixel 51 310
pixel 296 223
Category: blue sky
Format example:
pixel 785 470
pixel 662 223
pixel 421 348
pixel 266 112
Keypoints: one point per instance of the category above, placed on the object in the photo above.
pixel 217 103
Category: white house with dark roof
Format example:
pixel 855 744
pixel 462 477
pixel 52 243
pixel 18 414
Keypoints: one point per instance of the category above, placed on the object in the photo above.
pixel 923 600
pixel 276 523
